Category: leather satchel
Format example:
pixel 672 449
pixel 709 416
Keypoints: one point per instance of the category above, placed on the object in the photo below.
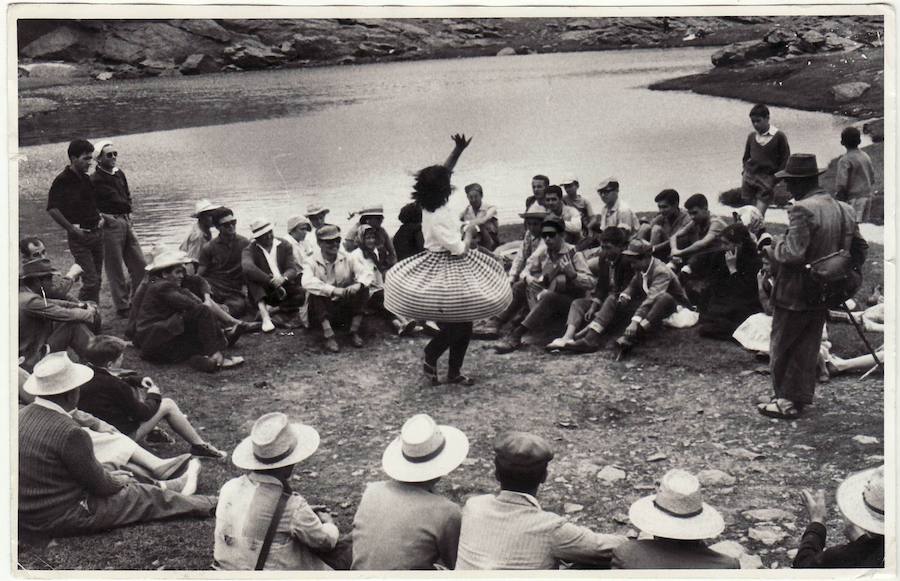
pixel 834 278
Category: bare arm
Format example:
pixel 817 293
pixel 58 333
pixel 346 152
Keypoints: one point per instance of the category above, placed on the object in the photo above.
pixel 460 144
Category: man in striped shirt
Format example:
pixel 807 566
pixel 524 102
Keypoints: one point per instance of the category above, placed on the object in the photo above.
pixel 509 530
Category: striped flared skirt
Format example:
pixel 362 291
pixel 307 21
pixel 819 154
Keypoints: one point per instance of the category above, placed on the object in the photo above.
pixel 438 286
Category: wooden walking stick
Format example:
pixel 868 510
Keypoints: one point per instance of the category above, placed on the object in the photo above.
pixel 862 335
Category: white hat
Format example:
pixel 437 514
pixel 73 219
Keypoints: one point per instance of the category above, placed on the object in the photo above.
pixel 260 226
pixel 55 374
pixel 608 182
pixel 98 147
pixel 202 206
pixel 295 221
pixel 315 210
pixel 274 442
pixel 677 511
pixel 569 179
pixel 371 211
pixel 167 258
pixel 424 451
pixel 861 499
pixel 535 210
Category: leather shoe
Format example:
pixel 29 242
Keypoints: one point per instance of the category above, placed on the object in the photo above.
pixel 356 340
pixel 331 345
pixel 581 346
pixel 508 346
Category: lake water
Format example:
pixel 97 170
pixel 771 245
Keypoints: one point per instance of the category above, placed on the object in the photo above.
pixel 351 136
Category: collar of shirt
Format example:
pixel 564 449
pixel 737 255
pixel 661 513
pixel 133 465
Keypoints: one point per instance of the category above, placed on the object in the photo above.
pixel 46 403
pixel 563 249
pixel 772 130
pixel 341 256
pixel 263 479
pixel 113 172
pixel 610 210
pixel 649 267
pixel 513 497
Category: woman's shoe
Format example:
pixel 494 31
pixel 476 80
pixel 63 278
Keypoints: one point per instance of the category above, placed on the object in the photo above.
pixel 431 373
pixel 461 380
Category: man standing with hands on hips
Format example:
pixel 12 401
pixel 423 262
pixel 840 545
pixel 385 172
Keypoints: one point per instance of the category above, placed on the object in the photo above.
pixel 120 244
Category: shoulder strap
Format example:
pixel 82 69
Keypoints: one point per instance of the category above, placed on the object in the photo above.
pixel 844 244
pixel 270 532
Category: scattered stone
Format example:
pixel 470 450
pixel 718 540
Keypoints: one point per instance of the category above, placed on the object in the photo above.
pixel 506 51
pixel 768 514
pixel 621 518
pixel 713 477
pixel 803 447
pixel 261 384
pixel 357 473
pixel 658 457
pixel 744 454
pixel 865 439
pixel 610 474
pixel 579 24
pixel 847 92
pixel 345 505
pixel 767 535
pixel 197 64
pixel 567 423
pixel 571 507
pixel 791 554
pixel 469 462
pixel 731 549
pixel 104 76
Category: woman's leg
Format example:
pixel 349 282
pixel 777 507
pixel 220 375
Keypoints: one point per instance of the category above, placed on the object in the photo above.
pixel 460 335
pixel 438 344
pixel 169 411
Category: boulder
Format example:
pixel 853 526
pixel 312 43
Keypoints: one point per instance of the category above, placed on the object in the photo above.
pixel 121 51
pixel 578 36
pixel 767 535
pixel 105 76
pixel 713 477
pixel 768 514
pixel 779 37
pixel 610 474
pixel 506 51
pixel 197 64
pixel 156 67
pixel 51 70
pixel 313 47
pixel 579 24
pixel 739 53
pixel 465 28
pixel 834 42
pixel 811 40
pixel 524 50
pixel 161 41
pixel 251 55
pixel 204 27
pixel 64 43
pixel 846 92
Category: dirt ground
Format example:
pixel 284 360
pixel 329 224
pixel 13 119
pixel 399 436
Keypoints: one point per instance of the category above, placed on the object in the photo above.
pixel 680 401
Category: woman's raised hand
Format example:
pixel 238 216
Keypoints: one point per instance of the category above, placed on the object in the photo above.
pixel 459 139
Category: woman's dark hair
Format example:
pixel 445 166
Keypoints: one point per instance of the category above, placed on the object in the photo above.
pixel 432 187
pixel 411 213
pixel 736 234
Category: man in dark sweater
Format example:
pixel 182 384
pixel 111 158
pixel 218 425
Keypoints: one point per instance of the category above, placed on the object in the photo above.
pixel 71 204
pixel 63 490
pixel 120 244
pixel 220 265
pixel 765 153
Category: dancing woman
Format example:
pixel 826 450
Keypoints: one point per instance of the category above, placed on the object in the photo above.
pixel 449 283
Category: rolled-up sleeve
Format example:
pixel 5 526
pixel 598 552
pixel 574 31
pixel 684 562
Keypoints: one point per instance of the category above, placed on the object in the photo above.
pixel 571 542
pixel 312 532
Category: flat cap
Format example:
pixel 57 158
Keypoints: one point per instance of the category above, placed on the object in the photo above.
pixel 328 232
pixel 522 451
pixel 609 184
pixel 638 247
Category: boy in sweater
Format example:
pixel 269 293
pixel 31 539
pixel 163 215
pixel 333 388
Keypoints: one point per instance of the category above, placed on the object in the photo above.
pixel 765 153
pixel 855 175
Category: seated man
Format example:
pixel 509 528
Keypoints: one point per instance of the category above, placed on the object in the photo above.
pixel 646 307
pixel 569 215
pixel 703 233
pixel 670 220
pixel 171 324
pixel 615 212
pixel 133 405
pixel 206 213
pixel 337 287
pixel 298 229
pixel 32 248
pixel 556 275
pixel 403 524
pixel 375 263
pixel 574 199
pixel 63 490
pixel 316 215
pixel 220 265
pixel 57 323
pixel 509 530
pixel 678 521
pixel 860 498
pixel 251 504
pixel 374 218
pixel 483 216
pixel 272 275
pixel 613 274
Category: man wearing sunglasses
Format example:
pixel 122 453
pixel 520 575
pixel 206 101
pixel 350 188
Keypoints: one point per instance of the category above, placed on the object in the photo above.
pixel 120 244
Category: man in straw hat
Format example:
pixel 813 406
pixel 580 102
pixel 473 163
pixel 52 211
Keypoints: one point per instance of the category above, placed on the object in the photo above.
pixel 205 212
pixel 57 323
pixel 861 500
pixel 261 502
pixel 402 523
pixel 372 216
pixel 63 490
pixel 509 530
pixel 816 221
pixel 337 287
pixel 173 324
pixel 120 243
pixel 220 265
pixel 679 521
pixel 272 275
pixel 316 214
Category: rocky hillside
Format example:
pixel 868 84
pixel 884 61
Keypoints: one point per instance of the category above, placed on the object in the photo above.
pixel 81 50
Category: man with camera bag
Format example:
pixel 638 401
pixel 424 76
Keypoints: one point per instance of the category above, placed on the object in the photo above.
pixel 817 262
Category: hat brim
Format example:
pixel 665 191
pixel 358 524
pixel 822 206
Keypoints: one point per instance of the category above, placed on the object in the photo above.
pixel 785 174
pixel 850 502
pixel 526 216
pixel 169 263
pixel 28 275
pixel 307 444
pixel 649 519
pixel 265 230
pixel 456 448
pixel 80 374
pixel 205 211
pixel 320 212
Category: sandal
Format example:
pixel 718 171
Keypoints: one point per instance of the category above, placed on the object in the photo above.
pixel 461 380
pixel 780 410
pixel 232 362
pixel 431 373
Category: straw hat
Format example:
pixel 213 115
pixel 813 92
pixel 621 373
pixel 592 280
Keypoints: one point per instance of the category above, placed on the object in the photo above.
pixel 535 210
pixel 167 258
pixel 677 510
pixel 609 183
pixel 570 179
pixel 55 374
pixel 274 442
pixel 424 451
pixel 36 268
pixel 315 210
pixel 861 499
pixel 203 206
pixel 372 211
pixel 260 226
pixel 800 165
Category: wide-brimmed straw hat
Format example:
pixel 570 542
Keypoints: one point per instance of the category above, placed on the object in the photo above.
pixel 801 165
pixel 371 211
pixel 55 374
pixel 260 226
pixel 861 499
pixel 535 210
pixel 424 450
pixel 203 206
pixel 315 210
pixel 36 268
pixel 275 442
pixel 225 218
pixel 677 510
pixel 167 258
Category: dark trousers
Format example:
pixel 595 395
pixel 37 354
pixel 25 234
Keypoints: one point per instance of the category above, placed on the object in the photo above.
pixel 452 336
pixel 202 335
pixel 88 254
pixel 662 307
pixel 552 306
pixel 794 352
pixel 328 309
pixel 519 300
pixel 294 296
pixel 121 248
pixel 65 335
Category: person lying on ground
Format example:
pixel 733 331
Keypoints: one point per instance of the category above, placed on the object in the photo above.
pixel 702 234
pixel 337 286
pixel 569 215
pixel 510 530
pixel 273 277
pixel 33 248
pixel 43 321
pixel 408 240
pixel 871 319
pixel 556 275
pixel 678 522
pixel 860 498
pixel 402 524
pixel 133 405
pixel 305 536
pixel 652 295
pixel 484 217
pixel 220 265
pixel 539 185
pixel 63 490
pixel 373 217
pixel 667 222
pixel 614 211
pixel 729 277
pixel 172 324
pixel 575 200
pixel 613 274
pixel 206 213
pixel 765 153
pixel 375 262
